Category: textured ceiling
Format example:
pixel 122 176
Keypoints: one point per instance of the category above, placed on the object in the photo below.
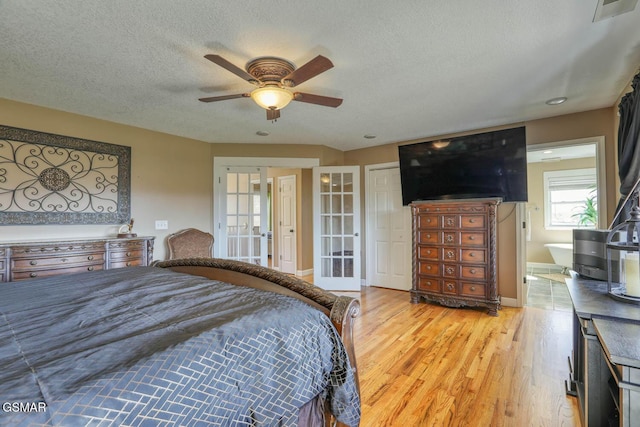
pixel 406 69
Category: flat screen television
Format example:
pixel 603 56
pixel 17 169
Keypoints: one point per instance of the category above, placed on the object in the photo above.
pixel 484 165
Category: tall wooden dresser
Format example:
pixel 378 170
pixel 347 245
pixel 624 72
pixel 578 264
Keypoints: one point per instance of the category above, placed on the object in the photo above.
pixel 454 253
pixel 31 259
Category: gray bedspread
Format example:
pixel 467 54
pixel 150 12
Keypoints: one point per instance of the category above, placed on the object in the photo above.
pixel 146 346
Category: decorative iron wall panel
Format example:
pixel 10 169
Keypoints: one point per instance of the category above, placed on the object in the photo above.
pixel 54 179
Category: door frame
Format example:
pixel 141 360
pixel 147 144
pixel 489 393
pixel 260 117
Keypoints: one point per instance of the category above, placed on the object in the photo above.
pixel 521 215
pixel 220 163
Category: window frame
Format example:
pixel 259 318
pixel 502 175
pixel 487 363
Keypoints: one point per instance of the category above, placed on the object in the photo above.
pixel 566 175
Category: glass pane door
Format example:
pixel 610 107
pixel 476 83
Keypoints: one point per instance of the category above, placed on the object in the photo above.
pixel 337 227
pixel 244 212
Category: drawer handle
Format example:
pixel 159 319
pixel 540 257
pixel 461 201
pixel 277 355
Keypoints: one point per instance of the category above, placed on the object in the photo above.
pixel 472 254
pixel 34 263
pixel 428 267
pixel 33 275
pixel 449 221
pixel 472 271
pixel 428 236
pixel 449 238
pixel 90 268
pixel 471 220
pixel 128 253
pixel 472 237
pixel 473 288
pixel 449 270
pixel 450 286
pixel 90 257
pixel 449 254
pixel 128 264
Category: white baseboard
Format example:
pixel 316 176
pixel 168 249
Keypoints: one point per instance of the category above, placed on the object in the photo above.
pixel 307 272
pixel 509 302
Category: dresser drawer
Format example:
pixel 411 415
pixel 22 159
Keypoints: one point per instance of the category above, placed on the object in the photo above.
pixel 57 249
pixel 473 272
pixel 128 263
pixel 450 270
pixel 126 255
pixel 428 221
pixel 473 255
pixel 450 287
pixel 473 239
pixel 472 289
pixel 450 221
pixel 472 221
pixel 429 268
pixel 450 238
pixel 22 264
pixel 427 284
pixel 428 252
pixel 21 275
pixel 449 254
pixel 428 237
pixel 126 245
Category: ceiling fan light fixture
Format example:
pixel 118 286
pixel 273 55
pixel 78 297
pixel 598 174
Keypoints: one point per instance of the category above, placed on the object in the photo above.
pixel 271 97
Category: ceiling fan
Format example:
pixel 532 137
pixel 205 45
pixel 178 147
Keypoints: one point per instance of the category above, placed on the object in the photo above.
pixel 273 78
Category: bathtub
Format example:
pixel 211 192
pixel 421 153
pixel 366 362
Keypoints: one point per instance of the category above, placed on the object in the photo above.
pixel 562 254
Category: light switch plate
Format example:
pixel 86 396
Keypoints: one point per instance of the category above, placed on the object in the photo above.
pixel 162 224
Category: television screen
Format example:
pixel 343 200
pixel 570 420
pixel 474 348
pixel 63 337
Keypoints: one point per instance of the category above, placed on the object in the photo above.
pixel 490 164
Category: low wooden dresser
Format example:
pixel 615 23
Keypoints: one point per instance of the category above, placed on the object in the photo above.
pixel 454 253
pixel 31 259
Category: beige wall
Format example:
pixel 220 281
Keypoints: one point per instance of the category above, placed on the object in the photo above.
pixel 561 128
pixel 172 176
pixel 536 252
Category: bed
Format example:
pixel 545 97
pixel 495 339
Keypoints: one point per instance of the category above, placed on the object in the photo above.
pixel 190 342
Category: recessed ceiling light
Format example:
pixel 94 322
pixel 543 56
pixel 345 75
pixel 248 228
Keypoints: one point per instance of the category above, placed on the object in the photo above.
pixel 262 133
pixel 556 101
pixel 369 136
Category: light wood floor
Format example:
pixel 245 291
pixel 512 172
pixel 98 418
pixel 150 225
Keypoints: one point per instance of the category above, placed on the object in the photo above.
pixel 428 365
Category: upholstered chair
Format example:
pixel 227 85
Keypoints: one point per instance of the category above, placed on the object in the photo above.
pixel 190 243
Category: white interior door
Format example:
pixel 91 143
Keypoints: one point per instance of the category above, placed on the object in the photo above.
pixel 287 223
pixel 336 227
pixel 243 223
pixel 389 231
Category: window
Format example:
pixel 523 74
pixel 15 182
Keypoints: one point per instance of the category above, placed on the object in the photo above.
pixel 570 198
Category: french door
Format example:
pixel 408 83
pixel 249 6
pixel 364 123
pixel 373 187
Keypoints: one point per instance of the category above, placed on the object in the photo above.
pixel 243 219
pixel 336 225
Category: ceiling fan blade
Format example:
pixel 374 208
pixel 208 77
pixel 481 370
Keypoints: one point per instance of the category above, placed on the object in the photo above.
pixel 326 101
pixel 273 114
pixel 225 97
pixel 219 60
pixel 317 65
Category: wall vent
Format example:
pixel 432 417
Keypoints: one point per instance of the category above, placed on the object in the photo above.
pixel 609 8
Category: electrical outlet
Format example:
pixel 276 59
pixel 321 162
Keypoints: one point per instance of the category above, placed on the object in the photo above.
pixel 162 224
